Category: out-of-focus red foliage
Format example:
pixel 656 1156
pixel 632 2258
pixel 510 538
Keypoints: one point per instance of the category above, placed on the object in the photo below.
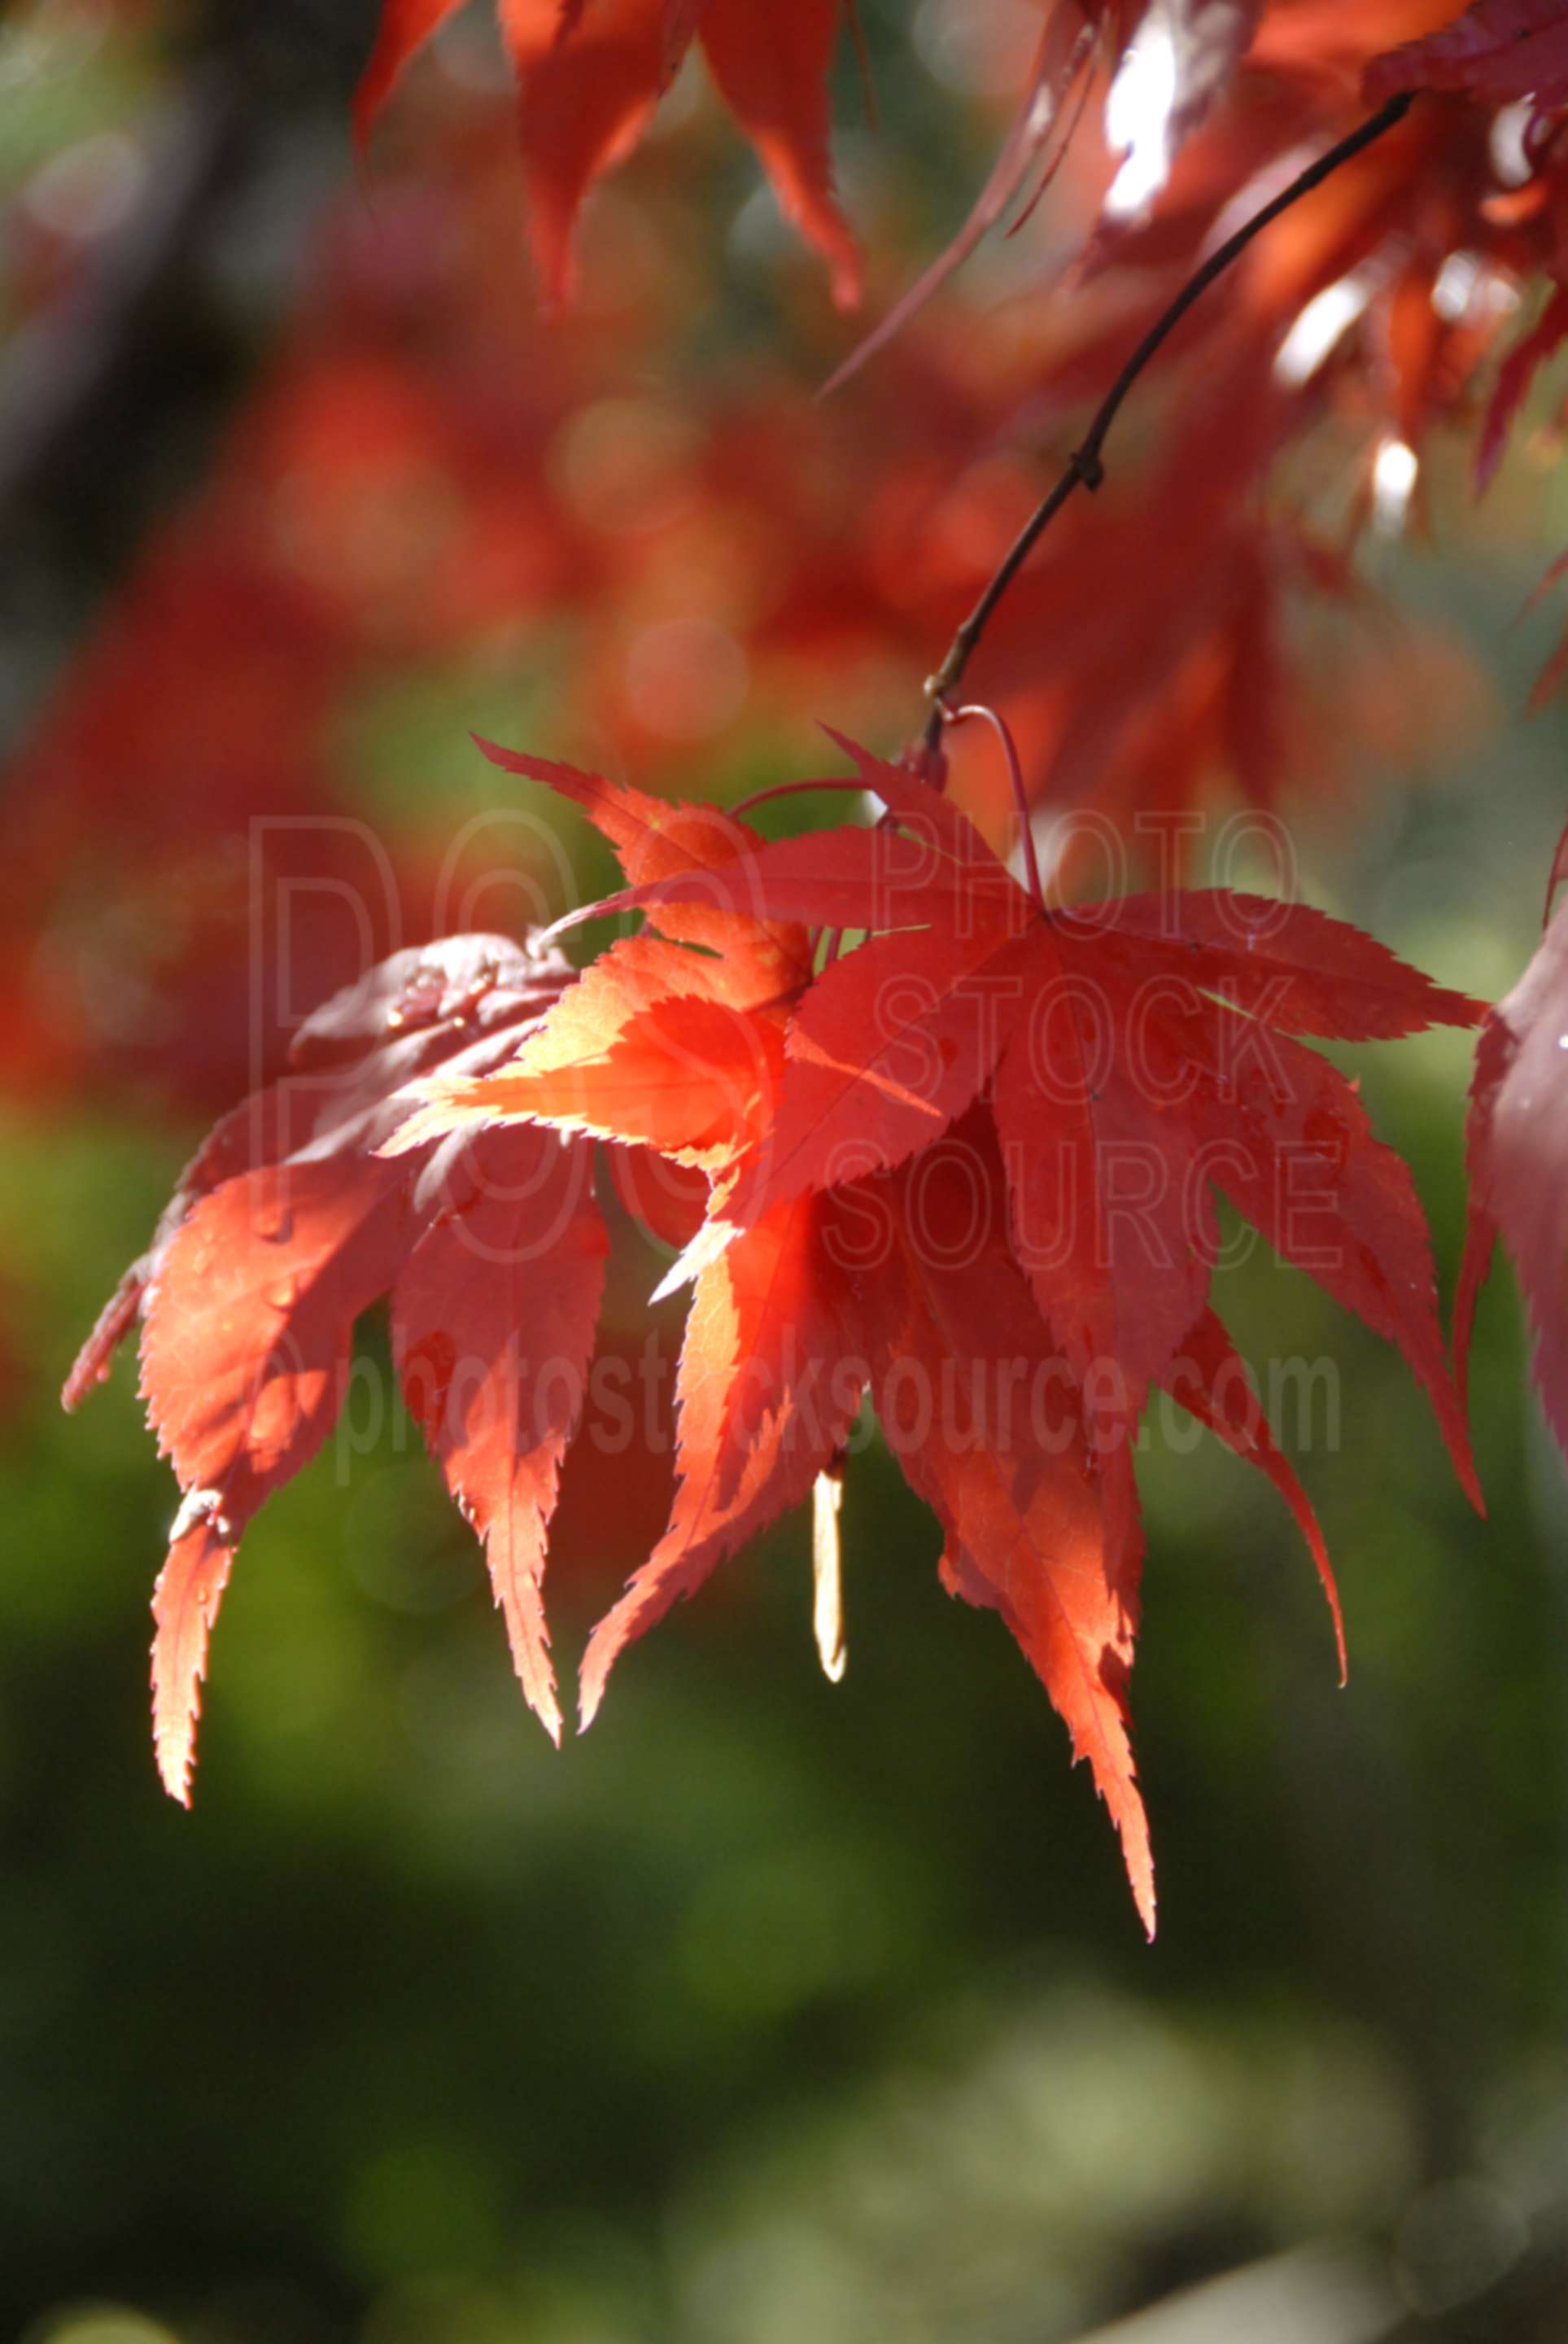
pixel 589 76
pixel 423 483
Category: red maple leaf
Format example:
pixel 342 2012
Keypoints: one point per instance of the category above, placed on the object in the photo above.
pixel 919 1161
pixel 1148 1040
pixel 1498 50
pixel 287 1225
pixel 590 78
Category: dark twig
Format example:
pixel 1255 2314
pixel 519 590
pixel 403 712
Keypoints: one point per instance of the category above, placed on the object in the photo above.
pixel 1085 468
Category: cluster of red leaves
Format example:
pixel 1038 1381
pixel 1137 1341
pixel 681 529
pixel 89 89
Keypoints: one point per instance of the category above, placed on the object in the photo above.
pixel 969 1166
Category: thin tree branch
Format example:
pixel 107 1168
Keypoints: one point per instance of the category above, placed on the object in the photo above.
pixel 1085 468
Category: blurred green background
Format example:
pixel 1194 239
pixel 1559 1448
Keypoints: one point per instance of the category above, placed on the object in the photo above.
pixel 770 2011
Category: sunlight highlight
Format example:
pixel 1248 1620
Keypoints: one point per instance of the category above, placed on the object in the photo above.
pixel 827 1608
pixel 1138 116
pixel 1395 471
pixel 1320 328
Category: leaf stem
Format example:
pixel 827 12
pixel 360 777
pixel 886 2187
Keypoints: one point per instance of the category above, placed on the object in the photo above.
pixel 998 725
pixel 1085 468
pixel 790 790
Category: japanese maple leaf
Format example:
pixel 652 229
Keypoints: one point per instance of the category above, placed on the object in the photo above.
pixel 1138 1056
pixel 287 1225
pixel 590 74
pixel 1498 50
pixel 837 1282
pixel 1517 1145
